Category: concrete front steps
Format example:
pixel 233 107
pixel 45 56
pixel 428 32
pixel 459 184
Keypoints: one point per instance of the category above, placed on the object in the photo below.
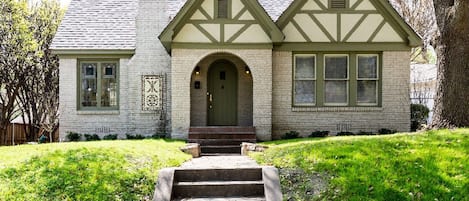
pixel 221 139
pixel 236 184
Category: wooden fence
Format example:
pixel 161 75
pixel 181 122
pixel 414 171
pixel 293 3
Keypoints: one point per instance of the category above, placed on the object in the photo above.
pixel 16 134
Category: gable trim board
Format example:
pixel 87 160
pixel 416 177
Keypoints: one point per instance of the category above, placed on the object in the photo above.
pixel 177 30
pixel 388 26
pixel 93 52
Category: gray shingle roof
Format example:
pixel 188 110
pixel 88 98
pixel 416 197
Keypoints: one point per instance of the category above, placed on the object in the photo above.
pixel 110 24
pixel 98 24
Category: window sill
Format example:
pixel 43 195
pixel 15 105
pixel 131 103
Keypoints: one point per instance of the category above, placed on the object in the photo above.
pixel 336 109
pixel 98 112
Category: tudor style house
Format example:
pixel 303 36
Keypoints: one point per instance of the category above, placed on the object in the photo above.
pixel 149 66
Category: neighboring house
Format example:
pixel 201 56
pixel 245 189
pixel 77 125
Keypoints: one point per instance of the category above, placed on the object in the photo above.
pixel 423 85
pixel 147 66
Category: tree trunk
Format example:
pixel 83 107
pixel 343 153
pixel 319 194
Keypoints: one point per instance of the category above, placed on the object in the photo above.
pixel 451 107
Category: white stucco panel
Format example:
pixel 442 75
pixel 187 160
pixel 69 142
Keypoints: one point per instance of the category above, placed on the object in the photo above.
pixel 325 3
pixel 231 29
pixel 213 29
pixel 329 21
pixel 353 2
pixel 292 34
pixel 366 5
pixel 190 33
pixel 208 6
pixel 347 23
pixel 311 28
pixel 387 34
pixel 236 6
pixel 311 5
pixel 254 34
pixel 247 16
pixel 366 28
pixel 198 16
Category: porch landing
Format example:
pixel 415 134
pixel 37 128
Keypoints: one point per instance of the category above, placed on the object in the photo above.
pixel 221 139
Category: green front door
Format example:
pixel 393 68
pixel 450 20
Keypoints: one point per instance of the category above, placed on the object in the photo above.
pixel 222 94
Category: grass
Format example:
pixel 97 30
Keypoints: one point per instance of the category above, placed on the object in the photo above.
pixel 432 165
pixel 103 170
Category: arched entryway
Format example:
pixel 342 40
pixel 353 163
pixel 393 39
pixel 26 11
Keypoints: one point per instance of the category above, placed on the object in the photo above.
pixel 221 92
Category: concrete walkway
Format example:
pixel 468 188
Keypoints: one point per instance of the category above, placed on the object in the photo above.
pixel 214 162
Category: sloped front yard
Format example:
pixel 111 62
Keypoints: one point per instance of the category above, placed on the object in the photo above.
pixel 105 170
pixel 432 165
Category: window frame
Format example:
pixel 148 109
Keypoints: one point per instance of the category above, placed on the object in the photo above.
pixel 99 78
pixel 347 103
pixel 377 79
pixel 305 79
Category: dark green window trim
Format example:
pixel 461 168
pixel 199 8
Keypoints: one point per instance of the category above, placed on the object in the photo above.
pixel 100 75
pixel 352 79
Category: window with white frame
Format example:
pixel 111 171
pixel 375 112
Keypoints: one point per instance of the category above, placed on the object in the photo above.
pixel 305 79
pixel 98 85
pixel 367 79
pixel 336 79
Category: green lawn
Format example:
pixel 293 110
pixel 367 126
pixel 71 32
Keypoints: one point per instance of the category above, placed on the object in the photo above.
pixel 431 165
pixel 103 170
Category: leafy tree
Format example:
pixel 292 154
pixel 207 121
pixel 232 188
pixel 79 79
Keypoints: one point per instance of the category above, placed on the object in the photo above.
pixel 444 25
pixel 452 94
pixel 17 47
pixel 39 94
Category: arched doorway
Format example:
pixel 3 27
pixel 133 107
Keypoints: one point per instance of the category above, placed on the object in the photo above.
pixel 222 94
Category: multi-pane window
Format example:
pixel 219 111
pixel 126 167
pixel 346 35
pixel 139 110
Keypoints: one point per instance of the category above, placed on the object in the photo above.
pixel 222 8
pixel 98 85
pixel 339 79
pixel 336 79
pixel 305 80
pixel 367 79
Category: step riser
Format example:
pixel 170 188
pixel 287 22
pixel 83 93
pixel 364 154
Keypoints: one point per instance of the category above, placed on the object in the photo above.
pixel 221 150
pixel 218 142
pixel 221 136
pixel 222 129
pixel 218 175
pixel 218 190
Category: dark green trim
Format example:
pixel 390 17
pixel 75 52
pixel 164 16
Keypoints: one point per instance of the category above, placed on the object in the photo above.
pixel 373 35
pixel 382 6
pixel 342 47
pixel 354 28
pixel 98 84
pixel 189 8
pixel 237 34
pixel 222 46
pixel 121 53
pixel 205 32
pixel 323 29
pixel 299 29
pixel 354 6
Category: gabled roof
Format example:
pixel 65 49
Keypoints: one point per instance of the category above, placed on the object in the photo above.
pixel 98 25
pixel 167 35
pixel 413 39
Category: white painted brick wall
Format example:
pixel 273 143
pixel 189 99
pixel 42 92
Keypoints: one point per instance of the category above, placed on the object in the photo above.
pixel 394 113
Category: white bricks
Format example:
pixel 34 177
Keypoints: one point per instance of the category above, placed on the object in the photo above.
pixel 394 113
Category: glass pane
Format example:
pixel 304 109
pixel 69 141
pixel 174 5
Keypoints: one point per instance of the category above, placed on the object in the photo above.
pixel 305 92
pixel 222 8
pixel 366 91
pixel 305 67
pixel 109 86
pixel 367 67
pixel 336 67
pixel 336 91
pixel 88 85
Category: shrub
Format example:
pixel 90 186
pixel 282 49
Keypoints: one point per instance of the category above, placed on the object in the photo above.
pixel 135 137
pixel 345 133
pixel 384 131
pixel 94 137
pixel 418 116
pixel 159 136
pixel 110 137
pixel 319 134
pixel 364 133
pixel 73 137
pixel 291 135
